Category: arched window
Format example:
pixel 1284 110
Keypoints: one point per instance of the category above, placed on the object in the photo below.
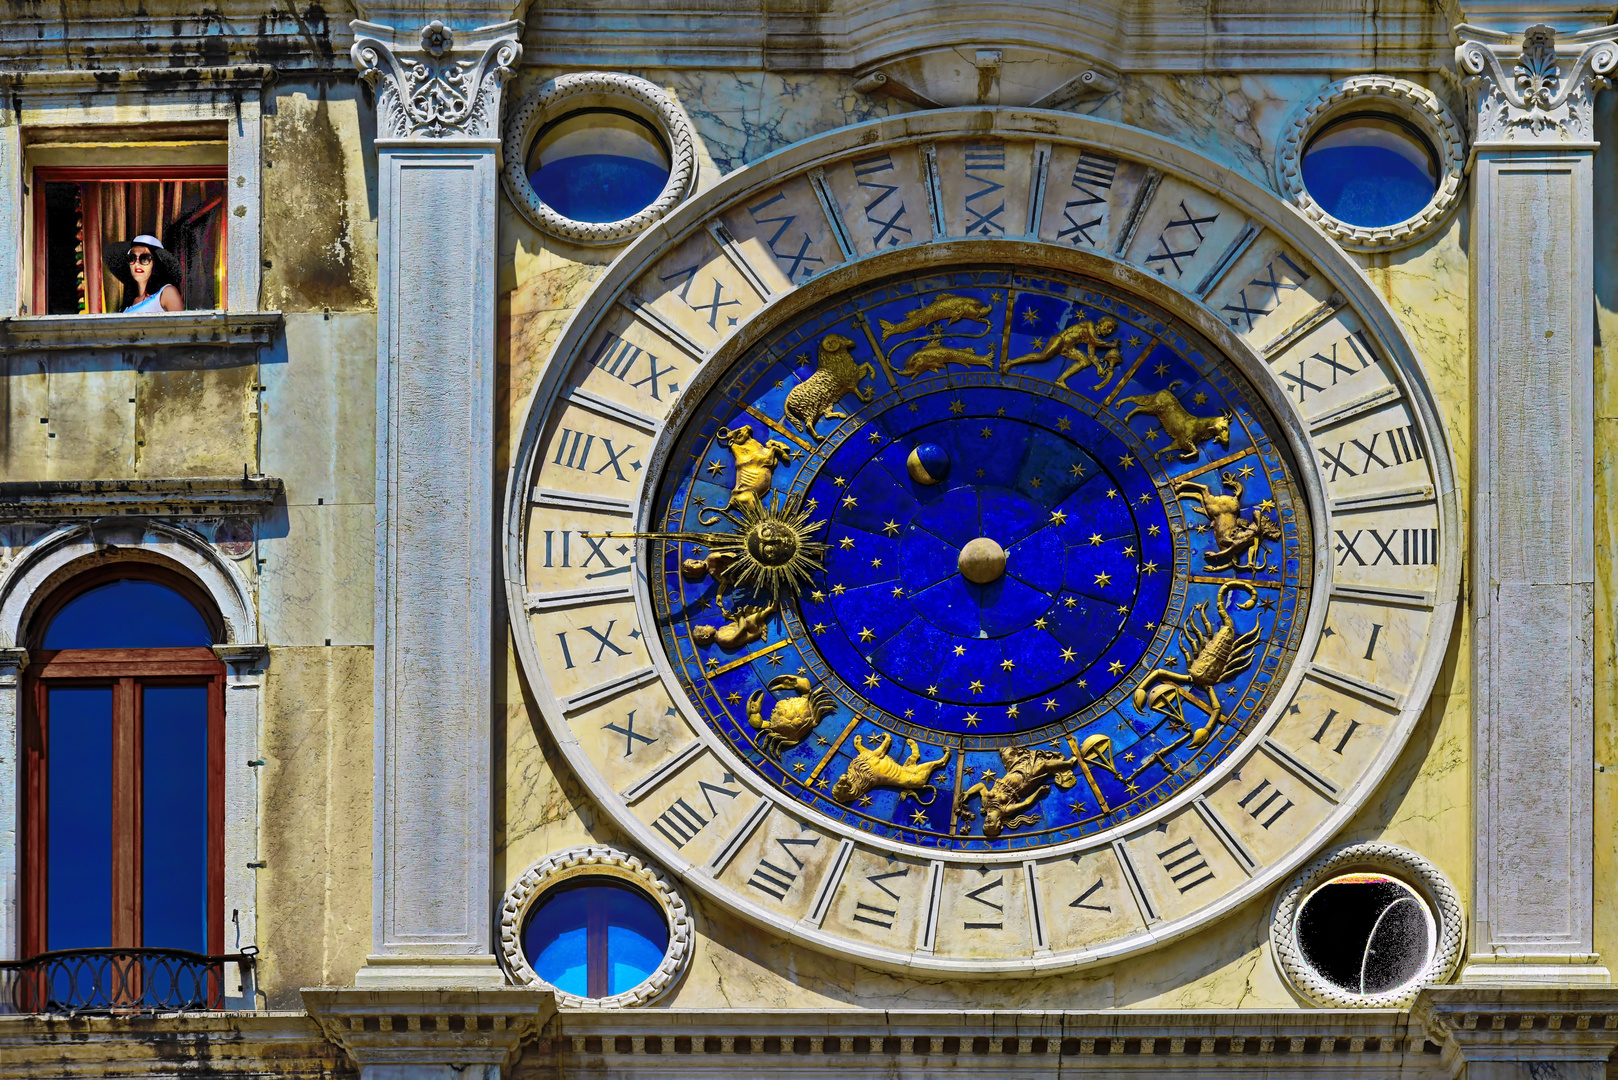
pixel 124 765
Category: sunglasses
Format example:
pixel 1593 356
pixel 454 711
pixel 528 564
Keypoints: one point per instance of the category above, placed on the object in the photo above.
pixel 140 260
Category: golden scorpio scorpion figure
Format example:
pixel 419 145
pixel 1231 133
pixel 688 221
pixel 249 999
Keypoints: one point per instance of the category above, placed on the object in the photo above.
pixel 1212 656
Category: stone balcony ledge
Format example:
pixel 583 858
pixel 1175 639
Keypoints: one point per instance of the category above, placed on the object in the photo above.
pixel 34 333
pixel 162 497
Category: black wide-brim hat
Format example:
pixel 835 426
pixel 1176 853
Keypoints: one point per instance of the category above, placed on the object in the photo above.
pixel 116 258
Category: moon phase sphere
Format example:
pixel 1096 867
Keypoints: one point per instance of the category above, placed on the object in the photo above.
pixel 928 464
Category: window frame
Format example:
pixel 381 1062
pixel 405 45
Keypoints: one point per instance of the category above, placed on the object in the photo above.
pixel 127 672
pixel 90 174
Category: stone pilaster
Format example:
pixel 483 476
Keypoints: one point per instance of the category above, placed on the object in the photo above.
pixel 438 114
pixel 470 1034
pixel 12 662
pixel 1533 573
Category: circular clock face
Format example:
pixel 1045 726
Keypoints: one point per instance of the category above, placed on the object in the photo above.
pixel 979 561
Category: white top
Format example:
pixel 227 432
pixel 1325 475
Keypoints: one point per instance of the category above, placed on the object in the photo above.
pixel 152 305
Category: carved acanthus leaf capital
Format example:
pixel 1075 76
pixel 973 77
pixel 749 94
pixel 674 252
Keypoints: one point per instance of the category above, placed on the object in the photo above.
pixel 430 85
pixel 1548 93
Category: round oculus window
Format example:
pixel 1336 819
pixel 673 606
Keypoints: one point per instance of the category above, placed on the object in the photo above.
pixel 595 937
pixel 1371 170
pixel 598 165
pixel 1366 933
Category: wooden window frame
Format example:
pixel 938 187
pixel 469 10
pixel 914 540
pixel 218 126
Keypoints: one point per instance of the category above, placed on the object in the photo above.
pixel 81 174
pixel 127 672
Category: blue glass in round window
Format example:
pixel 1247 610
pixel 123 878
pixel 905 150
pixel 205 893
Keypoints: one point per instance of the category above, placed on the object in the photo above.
pixel 598 165
pixel 595 937
pixel 1370 170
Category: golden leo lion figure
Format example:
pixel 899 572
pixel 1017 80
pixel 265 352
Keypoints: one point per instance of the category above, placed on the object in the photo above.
pixel 873 768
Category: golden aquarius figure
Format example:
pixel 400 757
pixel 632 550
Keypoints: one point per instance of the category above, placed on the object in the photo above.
pixel 1212 657
pixel 1092 335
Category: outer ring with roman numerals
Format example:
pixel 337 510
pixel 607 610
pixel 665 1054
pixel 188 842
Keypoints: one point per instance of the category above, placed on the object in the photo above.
pixel 951 189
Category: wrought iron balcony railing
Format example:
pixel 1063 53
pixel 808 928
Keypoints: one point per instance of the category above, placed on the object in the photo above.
pixel 120 982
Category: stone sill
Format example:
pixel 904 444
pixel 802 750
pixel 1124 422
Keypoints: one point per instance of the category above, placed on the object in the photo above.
pixel 204 496
pixel 36 332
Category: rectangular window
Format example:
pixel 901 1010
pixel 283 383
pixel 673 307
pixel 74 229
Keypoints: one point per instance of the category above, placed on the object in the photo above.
pixel 80 210
pixel 126 806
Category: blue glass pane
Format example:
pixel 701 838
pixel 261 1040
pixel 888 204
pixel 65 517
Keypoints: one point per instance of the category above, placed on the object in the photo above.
pixel 555 941
pixel 617 924
pixel 128 614
pixel 637 936
pixel 174 909
pixel 79 818
pixel 1370 172
pixel 598 166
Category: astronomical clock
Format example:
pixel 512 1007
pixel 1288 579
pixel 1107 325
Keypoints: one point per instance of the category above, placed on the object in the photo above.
pixel 982 551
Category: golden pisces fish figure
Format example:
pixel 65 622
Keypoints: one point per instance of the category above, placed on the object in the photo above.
pixel 936 357
pixel 873 768
pixel 945 308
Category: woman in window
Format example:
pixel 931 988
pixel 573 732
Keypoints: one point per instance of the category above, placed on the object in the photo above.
pixel 150 275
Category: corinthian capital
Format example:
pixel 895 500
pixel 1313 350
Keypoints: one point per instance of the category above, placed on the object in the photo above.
pixel 431 86
pixel 1548 94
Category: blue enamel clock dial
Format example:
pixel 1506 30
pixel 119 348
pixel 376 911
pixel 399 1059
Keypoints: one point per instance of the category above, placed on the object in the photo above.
pixel 981 560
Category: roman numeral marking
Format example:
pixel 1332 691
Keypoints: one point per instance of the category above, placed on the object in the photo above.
pixel 864 170
pixel 1311 378
pixel 1403 446
pixel 1376 631
pixel 679 823
pixel 1258 802
pixel 982 158
pixel 871 913
pixel 1272 280
pixel 631 736
pixel 1348 733
pixel 1086 894
pixel 777 881
pixel 603 637
pixel 1171 253
pixel 1092 178
pixel 793 263
pixel 559 552
pixel 573 452
pixel 1401 547
pixel 977 895
pixel 689 275
pixel 617 358
pixel 1185 865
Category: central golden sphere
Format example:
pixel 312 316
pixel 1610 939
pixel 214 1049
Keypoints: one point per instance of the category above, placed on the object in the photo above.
pixel 982 561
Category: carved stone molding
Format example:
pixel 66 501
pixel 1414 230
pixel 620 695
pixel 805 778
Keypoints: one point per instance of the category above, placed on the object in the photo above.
pixel 1539 1024
pixel 596 861
pixel 1409 101
pixel 1405 865
pixel 1549 93
pixel 434 87
pixel 232 497
pixel 581 90
pixel 457 1027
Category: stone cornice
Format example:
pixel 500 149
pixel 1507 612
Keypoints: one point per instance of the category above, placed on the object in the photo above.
pixel 1508 1024
pixel 28 333
pixel 1548 94
pixel 448 1027
pixel 429 85
pixel 186 497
